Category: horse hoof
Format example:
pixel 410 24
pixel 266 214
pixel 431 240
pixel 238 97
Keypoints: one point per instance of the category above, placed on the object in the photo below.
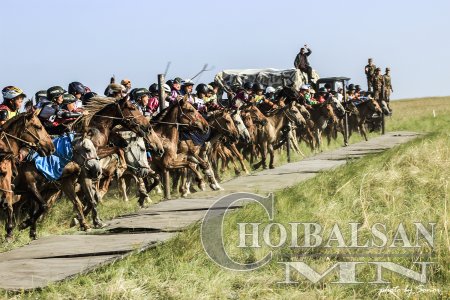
pixel 215 187
pixel 264 167
pixel 74 222
pixel 85 227
pixel 184 195
pixel 271 167
pixel 202 186
pixel 99 225
pixel 9 239
pixel 33 236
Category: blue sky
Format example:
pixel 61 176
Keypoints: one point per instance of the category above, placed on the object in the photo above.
pixel 50 42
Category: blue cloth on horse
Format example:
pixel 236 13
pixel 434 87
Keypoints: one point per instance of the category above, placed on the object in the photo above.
pixel 197 138
pixel 360 100
pixel 52 166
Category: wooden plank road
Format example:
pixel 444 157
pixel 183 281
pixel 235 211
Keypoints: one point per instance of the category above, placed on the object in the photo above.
pixel 55 258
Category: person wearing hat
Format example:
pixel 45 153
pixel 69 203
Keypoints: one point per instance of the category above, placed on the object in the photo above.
pixel 387 87
pixel 351 92
pixel 369 70
pixel 175 93
pixel 301 62
pixel 78 90
pixel 52 115
pixel 186 89
pixel 378 85
pixel 41 98
pixel 12 100
pixel 303 94
pixel 115 90
pixel 141 97
pixel 322 95
pixel 127 84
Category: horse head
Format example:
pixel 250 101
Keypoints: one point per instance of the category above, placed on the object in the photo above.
pixel 85 155
pixel 222 121
pixel 294 115
pixel 32 131
pixel 374 106
pixel 240 126
pixel 189 116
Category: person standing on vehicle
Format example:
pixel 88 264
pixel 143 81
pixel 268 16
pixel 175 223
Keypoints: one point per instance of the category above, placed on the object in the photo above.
pixel 370 73
pixel 388 87
pixel 301 62
pixel 378 85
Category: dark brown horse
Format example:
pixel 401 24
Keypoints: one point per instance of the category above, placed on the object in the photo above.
pixel 357 117
pixel 34 185
pixel 18 134
pixel 167 125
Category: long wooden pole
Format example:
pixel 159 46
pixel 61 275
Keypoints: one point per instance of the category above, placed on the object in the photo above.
pixel 345 114
pixel 161 94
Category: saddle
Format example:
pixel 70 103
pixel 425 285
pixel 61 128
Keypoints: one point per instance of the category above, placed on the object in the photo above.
pixel 51 167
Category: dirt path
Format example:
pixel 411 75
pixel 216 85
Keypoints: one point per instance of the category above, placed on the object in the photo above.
pixel 56 258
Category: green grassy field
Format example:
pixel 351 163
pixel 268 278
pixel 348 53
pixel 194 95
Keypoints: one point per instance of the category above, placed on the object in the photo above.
pixel 409 183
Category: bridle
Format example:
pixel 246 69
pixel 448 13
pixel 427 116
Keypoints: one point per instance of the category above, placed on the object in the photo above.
pixel 32 145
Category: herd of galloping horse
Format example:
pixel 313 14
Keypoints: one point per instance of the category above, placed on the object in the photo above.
pixel 113 139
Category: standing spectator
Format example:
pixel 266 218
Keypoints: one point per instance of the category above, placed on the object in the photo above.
pixel 378 85
pixel 370 73
pixel 387 87
pixel 301 62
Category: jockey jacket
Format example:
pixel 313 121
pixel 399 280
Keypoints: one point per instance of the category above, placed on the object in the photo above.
pixel 153 104
pixel 173 97
pixel 53 117
pixel 199 104
pixel 144 109
pixel 11 113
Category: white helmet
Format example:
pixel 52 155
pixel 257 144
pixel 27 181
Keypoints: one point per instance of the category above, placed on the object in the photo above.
pixel 11 92
pixel 166 88
pixel 270 89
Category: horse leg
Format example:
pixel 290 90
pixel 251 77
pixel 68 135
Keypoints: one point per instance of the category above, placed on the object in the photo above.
pixel 183 189
pixel 122 186
pixel 67 186
pixel 142 190
pixel 271 156
pixel 236 152
pixel 9 225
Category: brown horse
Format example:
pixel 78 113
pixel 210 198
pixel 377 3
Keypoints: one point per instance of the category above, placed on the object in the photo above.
pixel 17 134
pixel 167 124
pixel 357 118
pixel 36 186
pixel 321 116
pixel 222 124
pixel 271 133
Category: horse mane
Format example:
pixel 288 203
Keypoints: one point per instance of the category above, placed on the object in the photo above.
pixel 95 105
pixel 163 113
pixel 15 120
pixel 212 114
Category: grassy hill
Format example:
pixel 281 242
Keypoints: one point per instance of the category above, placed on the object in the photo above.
pixel 409 183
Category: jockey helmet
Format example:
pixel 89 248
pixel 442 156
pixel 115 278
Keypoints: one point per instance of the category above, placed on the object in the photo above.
pixel 40 94
pixel 153 88
pixel 257 87
pixel 202 88
pixel 76 88
pixel 187 82
pixel 55 91
pixel 68 98
pixel 166 88
pixel 248 85
pixel 351 87
pixel 322 90
pixel 270 90
pixel 138 93
pixel 11 92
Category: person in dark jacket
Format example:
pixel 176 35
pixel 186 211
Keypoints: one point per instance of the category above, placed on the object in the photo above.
pixel 301 62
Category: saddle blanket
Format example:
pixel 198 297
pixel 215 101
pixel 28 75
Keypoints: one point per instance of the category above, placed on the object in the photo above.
pixel 197 138
pixel 51 167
